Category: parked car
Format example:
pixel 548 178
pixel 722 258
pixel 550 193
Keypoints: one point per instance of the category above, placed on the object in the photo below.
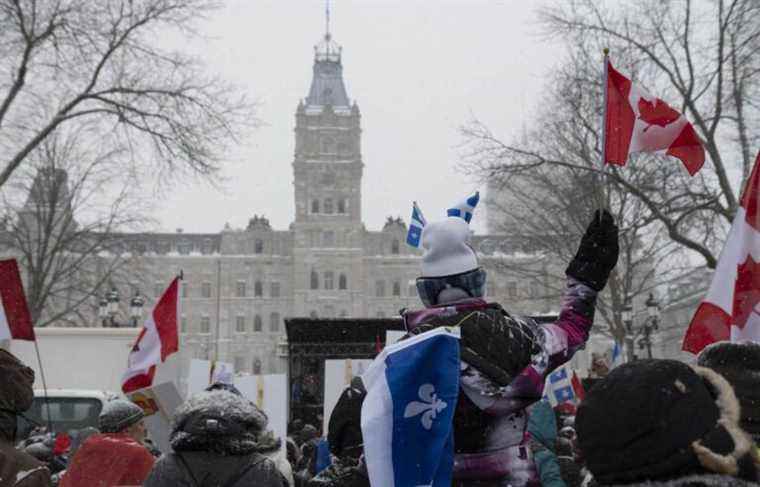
pixel 68 410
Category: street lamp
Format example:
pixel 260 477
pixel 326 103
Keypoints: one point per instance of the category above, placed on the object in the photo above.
pixel 653 309
pixel 136 308
pixel 627 315
pixel 103 310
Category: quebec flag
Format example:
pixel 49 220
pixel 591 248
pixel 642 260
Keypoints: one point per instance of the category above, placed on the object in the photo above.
pixel 465 208
pixel 559 386
pixel 416 225
pixel 407 415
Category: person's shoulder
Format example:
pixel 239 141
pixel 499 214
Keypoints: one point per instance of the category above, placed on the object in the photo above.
pixel 30 472
pixel 265 472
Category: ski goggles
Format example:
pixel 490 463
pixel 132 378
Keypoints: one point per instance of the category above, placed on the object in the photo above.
pixel 472 282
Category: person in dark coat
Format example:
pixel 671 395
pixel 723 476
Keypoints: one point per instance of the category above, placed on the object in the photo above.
pixel 17 468
pixel 663 423
pixel 214 441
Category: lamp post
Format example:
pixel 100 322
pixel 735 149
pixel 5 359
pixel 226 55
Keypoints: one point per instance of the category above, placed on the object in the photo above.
pixel 136 309
pixel 643 335
pixel 108 308
pixel 626 315
pixel 103 311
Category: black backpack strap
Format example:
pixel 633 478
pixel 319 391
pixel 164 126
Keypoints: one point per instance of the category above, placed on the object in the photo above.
pixel 189 470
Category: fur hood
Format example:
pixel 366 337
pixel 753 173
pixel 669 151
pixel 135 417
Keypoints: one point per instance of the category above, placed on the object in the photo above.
pixel 218 422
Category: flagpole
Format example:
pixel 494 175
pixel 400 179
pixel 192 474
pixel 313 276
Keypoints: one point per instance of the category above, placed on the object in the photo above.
pixel 605 75
pixel 44 386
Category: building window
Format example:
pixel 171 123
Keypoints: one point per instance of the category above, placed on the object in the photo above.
pixel 185 289
pixel 239 364
pixel 258 246
pixel 205 324
pixel 341 206
pixel 314 280
pixel 257 366
pixel 328 239
pixel 206 290
pixel 381 314
pixel 274 290
pixel 512 289
pixel 313 315
pixel 315 206
pixel 240 324
pixel 328 145
pixel 534 292
pixel 395 246
pixel 328 207
pixel 412 288
pixel 184 247
pixel 380 289
pixel 183 324
pixel 342 282
pixel 257 323
pixel 274 322
pixel 343 313
pixel 258 289
pixel 397 288
pixel 240 289
pixel 329 284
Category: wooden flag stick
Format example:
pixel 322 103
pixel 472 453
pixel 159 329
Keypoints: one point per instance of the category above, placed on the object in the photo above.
pixel 44 386
pixel 601 184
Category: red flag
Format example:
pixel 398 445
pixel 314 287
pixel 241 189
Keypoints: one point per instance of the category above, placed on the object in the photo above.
pixel 158 339
pixel 580 392
pixel 730 310
pixel 378 344
pixel 636 121
pixel 15 320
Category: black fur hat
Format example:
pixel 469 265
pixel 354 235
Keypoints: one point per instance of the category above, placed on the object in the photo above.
pixel 661 419
pixel 739 364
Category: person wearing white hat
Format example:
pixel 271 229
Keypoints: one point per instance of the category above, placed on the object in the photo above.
pixel 505 359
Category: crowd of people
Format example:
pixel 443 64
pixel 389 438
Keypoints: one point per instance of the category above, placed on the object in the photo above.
pixel 646 423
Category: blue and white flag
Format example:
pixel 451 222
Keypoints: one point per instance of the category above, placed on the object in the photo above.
pixel 416 225
pixel 559 386
pixel 407 415
pixel 617 355
pixel 465 208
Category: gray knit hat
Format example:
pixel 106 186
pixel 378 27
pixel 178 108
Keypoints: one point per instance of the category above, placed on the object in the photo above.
pixel 118 415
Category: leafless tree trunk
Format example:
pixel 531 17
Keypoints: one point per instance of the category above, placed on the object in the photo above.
pixel 62 215
pixel 81 60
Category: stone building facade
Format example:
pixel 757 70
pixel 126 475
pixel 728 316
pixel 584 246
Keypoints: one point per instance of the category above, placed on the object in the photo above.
pixel 240 284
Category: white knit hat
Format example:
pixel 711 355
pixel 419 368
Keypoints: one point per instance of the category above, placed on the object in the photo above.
pixel 447 249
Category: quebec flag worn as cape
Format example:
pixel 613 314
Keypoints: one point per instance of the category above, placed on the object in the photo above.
pixel 407 415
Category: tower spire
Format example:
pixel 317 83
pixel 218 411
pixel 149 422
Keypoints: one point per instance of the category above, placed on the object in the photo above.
pixel 327 20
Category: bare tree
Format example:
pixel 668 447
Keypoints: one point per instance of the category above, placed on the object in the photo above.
pixel 545 186
pixel 710 72
pixel 63 212
pixel 81 60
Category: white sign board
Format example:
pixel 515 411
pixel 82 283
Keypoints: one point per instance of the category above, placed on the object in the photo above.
pixel 159 403
pixel 392 336
pixel 338 375
pixel 200 376
pixel 270 393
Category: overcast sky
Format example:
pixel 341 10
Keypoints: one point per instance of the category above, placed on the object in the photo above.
pixel 417 68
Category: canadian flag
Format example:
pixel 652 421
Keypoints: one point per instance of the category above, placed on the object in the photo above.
pixel 731 308
pixel 15 320
pixel 158 339
pixel 636 121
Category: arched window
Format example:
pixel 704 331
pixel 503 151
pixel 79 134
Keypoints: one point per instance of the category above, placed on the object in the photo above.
pixel 314 280
pixel 257 366
pixel 258 289
pixel 258 246
pixel 342 282
pixel 394 246
pixel 315 206
pixel 328 208
pixel 397 288
pixel 274 322
pixel 341 206
pixel 329 280
pixel 257 323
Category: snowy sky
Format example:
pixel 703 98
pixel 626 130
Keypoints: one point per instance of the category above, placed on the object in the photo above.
pixel 418 70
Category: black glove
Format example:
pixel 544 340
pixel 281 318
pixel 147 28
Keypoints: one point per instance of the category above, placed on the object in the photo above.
pixel 597 254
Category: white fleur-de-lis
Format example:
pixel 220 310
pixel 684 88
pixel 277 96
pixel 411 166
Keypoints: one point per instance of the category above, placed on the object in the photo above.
pixel 429 408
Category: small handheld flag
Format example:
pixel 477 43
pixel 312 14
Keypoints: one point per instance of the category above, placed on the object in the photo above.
pixel 465 208
pixel 416 225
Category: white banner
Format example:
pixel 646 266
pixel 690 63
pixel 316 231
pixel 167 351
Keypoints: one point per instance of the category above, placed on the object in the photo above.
pixel 338 375
pixel 269 393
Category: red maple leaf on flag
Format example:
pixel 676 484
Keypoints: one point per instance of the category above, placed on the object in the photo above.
pixel 746 292
pixel 657 112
